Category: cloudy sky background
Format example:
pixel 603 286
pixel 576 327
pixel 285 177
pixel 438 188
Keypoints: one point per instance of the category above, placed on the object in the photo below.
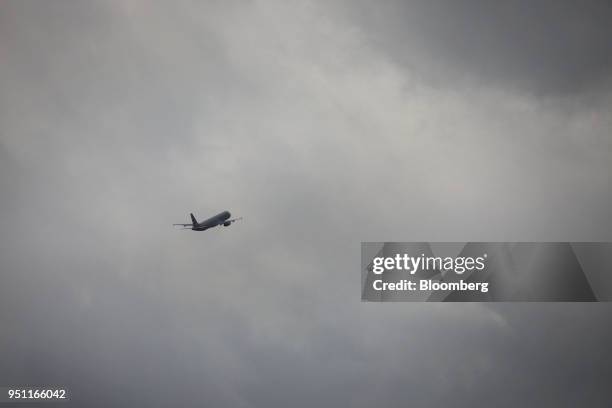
pixel 324 124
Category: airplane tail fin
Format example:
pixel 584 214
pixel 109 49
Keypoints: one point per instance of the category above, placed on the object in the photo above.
pixel 193 220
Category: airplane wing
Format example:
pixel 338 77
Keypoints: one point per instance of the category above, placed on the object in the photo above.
pixel 234 220
pixel 183 225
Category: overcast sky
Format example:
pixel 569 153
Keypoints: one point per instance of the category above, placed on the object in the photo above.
pixel 323 124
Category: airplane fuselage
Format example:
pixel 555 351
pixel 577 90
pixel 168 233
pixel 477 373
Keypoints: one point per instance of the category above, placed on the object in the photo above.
pixel 218 219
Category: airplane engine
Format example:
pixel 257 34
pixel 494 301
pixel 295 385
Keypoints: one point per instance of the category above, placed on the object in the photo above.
pixel 227 224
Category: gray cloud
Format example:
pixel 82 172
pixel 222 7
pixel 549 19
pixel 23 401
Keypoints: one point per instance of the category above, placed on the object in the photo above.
pixel 117 119
pixel 548 48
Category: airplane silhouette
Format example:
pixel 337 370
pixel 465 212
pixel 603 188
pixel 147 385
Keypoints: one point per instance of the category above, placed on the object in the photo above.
pixel 220 219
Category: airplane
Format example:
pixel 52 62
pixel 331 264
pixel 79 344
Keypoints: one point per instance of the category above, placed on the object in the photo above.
pixel 220 219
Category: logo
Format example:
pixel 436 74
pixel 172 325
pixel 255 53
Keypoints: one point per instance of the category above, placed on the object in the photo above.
pixel 412 265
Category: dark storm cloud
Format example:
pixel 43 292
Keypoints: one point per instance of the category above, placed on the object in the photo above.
pixel 120 118
pixel 544 47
